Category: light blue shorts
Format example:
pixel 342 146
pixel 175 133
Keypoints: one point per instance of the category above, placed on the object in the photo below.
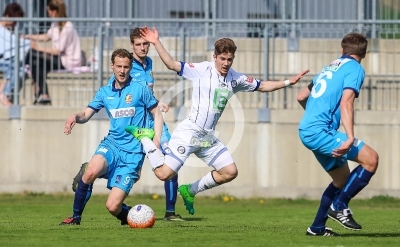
pixel 323 143
pixel 123 167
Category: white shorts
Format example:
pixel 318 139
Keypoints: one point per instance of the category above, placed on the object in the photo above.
pixel 189 138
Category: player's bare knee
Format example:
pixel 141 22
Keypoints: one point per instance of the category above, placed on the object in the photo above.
pixel 228 175
pixel 372 163
pixel 89 176
pixel 113 207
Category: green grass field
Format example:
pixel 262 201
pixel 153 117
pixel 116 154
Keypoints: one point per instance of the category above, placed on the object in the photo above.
pixel 32 220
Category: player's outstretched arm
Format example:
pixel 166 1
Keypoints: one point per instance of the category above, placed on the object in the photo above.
pixel 303 95
pixel 80 117
pixel 153 37
pixel 269 86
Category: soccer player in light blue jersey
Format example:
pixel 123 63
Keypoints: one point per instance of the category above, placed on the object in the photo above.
pixel 119 157
pixel 142 71
pixel 328 100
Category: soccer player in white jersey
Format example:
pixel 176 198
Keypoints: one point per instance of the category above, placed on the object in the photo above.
pixel 327 100
pixel 213 84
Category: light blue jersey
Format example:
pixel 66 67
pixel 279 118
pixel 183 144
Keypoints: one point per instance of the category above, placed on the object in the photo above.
pixel 318 129
pixel 323 106
pixel 144 73
pixel 127 106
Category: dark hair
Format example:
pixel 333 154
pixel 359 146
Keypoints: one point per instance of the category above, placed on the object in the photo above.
pixel 122 53
pixel 135 33
pixel 13 10
pixel 224 45
pixel 355 44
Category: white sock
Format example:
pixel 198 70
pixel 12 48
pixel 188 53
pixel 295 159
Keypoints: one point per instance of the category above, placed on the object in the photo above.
pixel 205 183
pixel 156 157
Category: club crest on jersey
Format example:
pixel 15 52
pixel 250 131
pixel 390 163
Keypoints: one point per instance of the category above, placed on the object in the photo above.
pixel 151 73
pixel 181 149
pixel 191 65
pixel 128 98
pixel 233 83
pixel 249 79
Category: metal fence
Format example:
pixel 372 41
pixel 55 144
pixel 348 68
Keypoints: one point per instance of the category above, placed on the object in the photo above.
pixel 268 48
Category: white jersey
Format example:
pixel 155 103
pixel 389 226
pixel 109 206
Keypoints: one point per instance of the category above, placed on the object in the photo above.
pixel 211 91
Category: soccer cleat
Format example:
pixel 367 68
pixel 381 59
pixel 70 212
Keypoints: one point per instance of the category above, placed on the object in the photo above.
pixel 71 221
pixel 188 198
pixel 140 133
pixel 344 217
pixel 174 217
pixel 79 176
pixel 325 233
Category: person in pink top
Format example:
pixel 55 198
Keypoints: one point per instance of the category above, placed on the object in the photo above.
pixel 65 52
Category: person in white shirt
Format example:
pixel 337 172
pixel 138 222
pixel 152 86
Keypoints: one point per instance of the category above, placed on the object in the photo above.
pixel 7 52
pixel 213 84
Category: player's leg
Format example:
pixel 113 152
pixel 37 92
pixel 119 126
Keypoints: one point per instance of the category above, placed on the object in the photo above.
pixel 218 157
pixel 339 175
pixel 170 186
pixel 96 167
pixel 171 192
pixel 126 174
pixel 156 157
pixel 357 180
pixel 321 143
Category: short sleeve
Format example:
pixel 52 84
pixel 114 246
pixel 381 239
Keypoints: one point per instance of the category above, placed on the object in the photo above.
pixel 354 79
pixel 148 98
pixel 193 70
pixel 246 84
pixel 97 103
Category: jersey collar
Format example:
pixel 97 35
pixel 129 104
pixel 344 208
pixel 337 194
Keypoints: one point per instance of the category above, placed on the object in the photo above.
pixel 126 84
pixel 347 56
pixel 144 66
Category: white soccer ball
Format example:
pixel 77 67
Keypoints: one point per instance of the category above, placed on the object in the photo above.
pixel 141 216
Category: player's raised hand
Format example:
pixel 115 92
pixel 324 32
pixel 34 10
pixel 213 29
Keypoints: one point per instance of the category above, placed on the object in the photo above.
pixel 297 78
pixel 69 124
pixel 149 35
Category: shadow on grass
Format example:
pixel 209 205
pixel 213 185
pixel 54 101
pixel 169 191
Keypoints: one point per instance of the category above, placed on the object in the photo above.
pixel 186 219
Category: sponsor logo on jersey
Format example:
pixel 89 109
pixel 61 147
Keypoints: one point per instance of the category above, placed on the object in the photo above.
pixel 249 79
pixel 123 112
pixel 128 98
pixel 233 83
pixel 191 65
pixel 223 84
pixel 137 74
pixel 103 150
pixel 181 149
pixel 110 97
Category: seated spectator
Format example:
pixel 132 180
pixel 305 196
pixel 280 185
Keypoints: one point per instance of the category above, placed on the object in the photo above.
pixel 7 53
pixel 65 52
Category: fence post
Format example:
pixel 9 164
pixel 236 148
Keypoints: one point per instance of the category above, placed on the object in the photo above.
pixel 14 112
pixel 100 56
pixel 264 115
